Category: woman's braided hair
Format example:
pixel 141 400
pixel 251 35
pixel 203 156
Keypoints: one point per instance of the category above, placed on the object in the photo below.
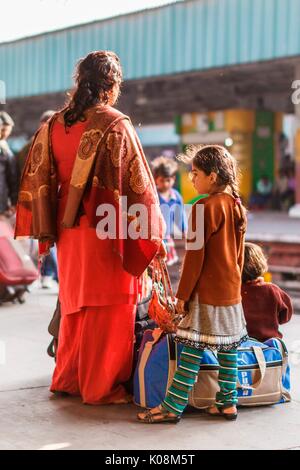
pixel 217 159
pixel 95 76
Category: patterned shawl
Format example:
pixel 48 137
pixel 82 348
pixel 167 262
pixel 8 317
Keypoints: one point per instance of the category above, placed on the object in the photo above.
pixel 109 164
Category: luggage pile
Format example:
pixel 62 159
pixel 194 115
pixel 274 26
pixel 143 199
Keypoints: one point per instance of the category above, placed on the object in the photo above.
pixel 263 368
pixel 17 270
pixel 263 372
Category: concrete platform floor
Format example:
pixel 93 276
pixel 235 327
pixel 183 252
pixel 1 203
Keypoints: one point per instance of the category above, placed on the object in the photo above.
pixel 32 418
pixel 273 226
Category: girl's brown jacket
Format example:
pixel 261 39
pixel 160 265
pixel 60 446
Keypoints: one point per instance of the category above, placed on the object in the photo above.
pixel 214 271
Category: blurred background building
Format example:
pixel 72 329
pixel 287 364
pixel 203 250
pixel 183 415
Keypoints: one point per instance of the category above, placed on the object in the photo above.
pixel 196 71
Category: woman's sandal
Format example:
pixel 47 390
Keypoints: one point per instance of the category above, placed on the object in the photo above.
pixel 165 417
pixel 60 394
pixel 220 412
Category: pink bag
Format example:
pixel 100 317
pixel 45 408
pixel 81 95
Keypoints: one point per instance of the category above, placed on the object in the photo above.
pixel 16 267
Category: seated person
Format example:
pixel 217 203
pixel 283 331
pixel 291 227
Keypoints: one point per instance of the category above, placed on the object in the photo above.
pixel 280 190
pixel 291 187
pixel 265 305
pixel 284 190
pixel 261 199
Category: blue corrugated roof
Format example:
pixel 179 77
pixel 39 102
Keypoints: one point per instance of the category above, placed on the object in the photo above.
pixel 180 37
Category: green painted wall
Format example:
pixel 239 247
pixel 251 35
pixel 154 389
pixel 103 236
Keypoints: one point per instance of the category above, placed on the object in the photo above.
pixel 263 146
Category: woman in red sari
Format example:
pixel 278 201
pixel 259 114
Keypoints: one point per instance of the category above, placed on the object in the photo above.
pixel 85 156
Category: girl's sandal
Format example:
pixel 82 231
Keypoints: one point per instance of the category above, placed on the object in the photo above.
pixel 164 414
pixel 210 411
pixel 229 416
pixel 220 412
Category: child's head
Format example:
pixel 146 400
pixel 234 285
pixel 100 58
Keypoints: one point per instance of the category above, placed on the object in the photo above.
pixel 7 125
pixel 164 171
pixel 255 262
pixel 213 169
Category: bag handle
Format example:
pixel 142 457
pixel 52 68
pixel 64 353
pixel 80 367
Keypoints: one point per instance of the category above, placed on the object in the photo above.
pixel 285 354
pixel 160 272
pixel 258 352
pixel 166 278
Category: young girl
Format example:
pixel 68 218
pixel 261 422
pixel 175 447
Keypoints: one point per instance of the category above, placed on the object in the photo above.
pixel 266 306
pixel 210 288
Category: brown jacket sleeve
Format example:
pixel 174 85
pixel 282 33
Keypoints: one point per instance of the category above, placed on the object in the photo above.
pixel 194 259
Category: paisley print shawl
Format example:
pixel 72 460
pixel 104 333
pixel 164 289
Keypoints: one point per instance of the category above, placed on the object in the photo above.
pixel 110 166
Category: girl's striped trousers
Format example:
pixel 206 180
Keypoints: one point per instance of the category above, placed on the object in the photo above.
pixel 186 375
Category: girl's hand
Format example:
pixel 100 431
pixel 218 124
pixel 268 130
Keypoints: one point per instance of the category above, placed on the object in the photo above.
pixel 180 307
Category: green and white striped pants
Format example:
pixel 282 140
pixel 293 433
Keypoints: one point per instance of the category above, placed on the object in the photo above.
pixel 186 375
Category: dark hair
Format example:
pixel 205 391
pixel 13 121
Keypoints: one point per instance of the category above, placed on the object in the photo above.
pixel 95 76
pixel 217 159
pixel 255 262
pixel 164 166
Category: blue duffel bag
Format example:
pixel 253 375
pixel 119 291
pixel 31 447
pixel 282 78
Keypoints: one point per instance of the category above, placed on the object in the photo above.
pixel 263 372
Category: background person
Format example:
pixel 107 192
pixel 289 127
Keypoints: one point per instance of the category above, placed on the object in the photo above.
pixel 171 203
pixel 22 154
pixel 8 175
pixel 266 306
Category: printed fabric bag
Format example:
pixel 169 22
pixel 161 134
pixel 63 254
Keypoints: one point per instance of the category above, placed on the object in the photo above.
pixel 162 303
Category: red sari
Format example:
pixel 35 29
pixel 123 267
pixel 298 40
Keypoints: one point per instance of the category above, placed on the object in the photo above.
pixel 98 298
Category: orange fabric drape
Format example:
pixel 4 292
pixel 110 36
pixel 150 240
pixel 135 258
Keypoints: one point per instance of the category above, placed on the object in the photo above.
pixel 95 351
pixel 98 298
